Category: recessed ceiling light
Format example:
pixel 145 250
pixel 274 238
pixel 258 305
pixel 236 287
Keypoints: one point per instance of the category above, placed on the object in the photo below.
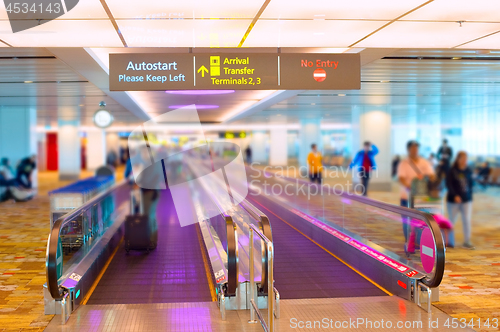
pixel 199 107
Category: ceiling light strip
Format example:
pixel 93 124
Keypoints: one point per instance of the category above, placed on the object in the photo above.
pixel 394 20
pixel 473 40
pixel 113 21
pixel 255 19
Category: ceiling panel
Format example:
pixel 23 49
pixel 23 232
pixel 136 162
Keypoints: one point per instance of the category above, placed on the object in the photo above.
pixel 64 33
pixel 48 96
pixel 427 35
pixel 327 9
pixel 86 9
pixel 458 10
pixel 33 69
pixel 186 9
pixel 309 33
pixel 183 33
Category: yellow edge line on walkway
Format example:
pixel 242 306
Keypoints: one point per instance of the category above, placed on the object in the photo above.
pixel 207 267
pixel 319 245
pixel 94 285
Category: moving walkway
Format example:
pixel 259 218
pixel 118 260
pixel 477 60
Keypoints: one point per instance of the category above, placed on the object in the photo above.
pixel 247 254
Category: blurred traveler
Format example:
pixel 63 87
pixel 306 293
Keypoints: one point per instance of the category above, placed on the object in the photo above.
pixel 395 164
pixel 314 162
pixel 459 199
pixel 445 153
pixel 433 160
pixel 7 173
pixel 112 159
pixel 248 154
pixel 24 170
pixel 128 175
pixel 364 162
pixel 412 168
pixel 483 174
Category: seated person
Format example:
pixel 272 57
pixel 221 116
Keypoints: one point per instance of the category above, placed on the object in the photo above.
pixel 9 185
pixel 24 170
pixel 483 174
pixel 7 177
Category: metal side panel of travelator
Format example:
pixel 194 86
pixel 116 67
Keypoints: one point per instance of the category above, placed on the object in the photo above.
pixel 97 227
pixel 223 208
pixel 399 250
pixel 102 272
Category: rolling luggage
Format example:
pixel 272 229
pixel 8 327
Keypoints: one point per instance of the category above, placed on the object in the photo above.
pixel 138 233
pixel 141 230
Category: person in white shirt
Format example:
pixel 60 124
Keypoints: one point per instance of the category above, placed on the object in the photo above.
pixel 432 159
pixel 410 168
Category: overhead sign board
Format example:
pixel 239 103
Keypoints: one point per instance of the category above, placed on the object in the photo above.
pixel 253 71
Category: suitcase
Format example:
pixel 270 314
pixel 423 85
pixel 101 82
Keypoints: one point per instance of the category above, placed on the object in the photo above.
pixel 141 229
pixel 139 233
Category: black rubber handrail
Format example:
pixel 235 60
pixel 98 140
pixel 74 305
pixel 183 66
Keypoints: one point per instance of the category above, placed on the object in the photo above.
pixel 53 241
pixel 433 279
pixel 265 228
pixel 232 262
pixel 231 250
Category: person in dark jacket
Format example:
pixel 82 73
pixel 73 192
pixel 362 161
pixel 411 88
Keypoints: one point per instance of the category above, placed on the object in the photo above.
pixel 364 163
pixel 459 198
pixel 445 153
pixel 24 170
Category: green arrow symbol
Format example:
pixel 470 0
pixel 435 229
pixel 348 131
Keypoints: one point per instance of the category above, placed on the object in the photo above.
pixel 203 70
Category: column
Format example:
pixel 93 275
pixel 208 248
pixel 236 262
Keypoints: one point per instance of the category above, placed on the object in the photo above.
pixel 374 124
pixel 278 146
pixel 96 149
pixel 18 137
pixel 310 133
pixel 259 147
pixel 69 145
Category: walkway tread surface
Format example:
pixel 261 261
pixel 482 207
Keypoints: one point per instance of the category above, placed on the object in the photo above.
pixel 303 270
pixel 174 272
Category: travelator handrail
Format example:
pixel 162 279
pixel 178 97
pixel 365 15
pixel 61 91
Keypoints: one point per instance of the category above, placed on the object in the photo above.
pixel 53 240
pixel 254 309
pixel 232 260
pixel 435 278
pixel 431 280
pixel 232 247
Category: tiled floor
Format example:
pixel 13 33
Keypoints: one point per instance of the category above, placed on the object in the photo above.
pixel 24 228
pixel 311 314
